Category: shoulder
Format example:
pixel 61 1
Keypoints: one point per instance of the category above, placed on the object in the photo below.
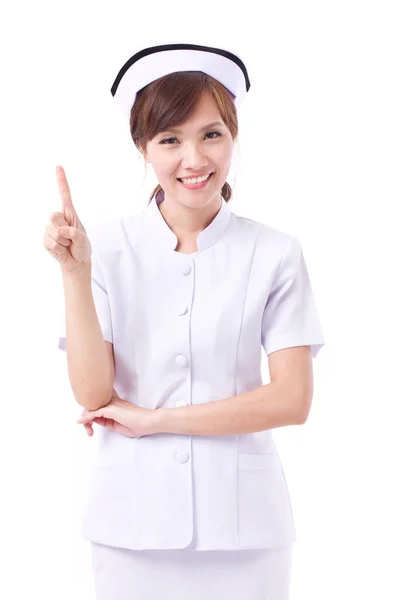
pixel 271 242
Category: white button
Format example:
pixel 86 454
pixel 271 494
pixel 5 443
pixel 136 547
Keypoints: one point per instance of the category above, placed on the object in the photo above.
pixel 181 360
pixel 186 269
pixel 182 310
pixel 180 403
pixel 183 456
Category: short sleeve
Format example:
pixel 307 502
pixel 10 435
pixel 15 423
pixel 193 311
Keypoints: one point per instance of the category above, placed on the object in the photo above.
pixel 290 315
pixel 101 301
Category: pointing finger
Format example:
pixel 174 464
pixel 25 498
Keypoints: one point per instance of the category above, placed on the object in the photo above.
pixel 63 188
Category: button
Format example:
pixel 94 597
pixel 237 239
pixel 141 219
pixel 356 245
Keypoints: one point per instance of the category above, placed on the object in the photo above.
pixel 182 310
pixel 183 456
pixel 180 403
pixel 186 269
pixel 181 360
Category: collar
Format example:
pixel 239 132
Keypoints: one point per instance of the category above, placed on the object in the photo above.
pixel 166 238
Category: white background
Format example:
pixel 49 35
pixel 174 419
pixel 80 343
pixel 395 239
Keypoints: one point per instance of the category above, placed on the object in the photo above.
pixel 319 158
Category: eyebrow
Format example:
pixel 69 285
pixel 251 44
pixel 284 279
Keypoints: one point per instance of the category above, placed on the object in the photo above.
pixel 202 129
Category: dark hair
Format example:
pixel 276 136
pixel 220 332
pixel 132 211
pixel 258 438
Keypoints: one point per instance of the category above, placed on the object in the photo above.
pixel 170 100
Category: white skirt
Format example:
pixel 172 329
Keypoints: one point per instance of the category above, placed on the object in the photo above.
pixel 123 574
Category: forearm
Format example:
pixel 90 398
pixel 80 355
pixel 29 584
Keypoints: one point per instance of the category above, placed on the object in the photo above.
pixel 265 407
pixel 88 363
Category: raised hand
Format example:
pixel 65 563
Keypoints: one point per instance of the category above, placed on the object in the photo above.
pixel 65 237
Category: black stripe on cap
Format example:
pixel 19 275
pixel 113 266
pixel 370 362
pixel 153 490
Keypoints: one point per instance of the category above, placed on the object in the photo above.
pixel 163 47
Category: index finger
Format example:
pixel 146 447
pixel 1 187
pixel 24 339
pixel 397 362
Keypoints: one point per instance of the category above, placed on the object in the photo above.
pixel 63 187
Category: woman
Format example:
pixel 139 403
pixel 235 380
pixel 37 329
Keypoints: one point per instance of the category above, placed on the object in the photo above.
pixel 166 313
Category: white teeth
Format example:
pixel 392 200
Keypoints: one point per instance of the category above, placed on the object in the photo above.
pixel 196 180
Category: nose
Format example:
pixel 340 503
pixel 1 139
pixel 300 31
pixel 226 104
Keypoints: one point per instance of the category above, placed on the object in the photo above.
pixel 193 158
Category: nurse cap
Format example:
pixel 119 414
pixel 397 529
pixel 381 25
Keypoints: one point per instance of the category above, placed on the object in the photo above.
pixel 153 62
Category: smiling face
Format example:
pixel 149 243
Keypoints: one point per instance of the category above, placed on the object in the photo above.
pixel 192 149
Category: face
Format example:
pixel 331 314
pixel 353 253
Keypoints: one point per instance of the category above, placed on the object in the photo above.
pixel 192 149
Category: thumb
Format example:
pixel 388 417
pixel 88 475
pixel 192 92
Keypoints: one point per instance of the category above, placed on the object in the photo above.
pixel 78 237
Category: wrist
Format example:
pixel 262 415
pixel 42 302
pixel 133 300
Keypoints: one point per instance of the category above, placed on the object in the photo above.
pixel 159 420
pixel 81 270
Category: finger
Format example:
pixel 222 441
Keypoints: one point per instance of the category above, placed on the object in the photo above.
pixel 111 423
pixel 63 188
pixel 89 429
pixel 56 249
pixel 103 421
pixel 103 412
pixel 58 219
pixel 72 233
pixel 91 415
pixel 52 232
pixel 108 423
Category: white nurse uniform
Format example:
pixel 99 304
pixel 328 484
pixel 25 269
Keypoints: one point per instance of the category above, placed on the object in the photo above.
pixel 188 329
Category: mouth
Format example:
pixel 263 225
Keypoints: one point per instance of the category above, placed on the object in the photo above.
pixel 194 186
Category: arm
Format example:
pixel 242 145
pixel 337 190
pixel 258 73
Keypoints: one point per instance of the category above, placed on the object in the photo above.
pixel 284 401
pixel 89 367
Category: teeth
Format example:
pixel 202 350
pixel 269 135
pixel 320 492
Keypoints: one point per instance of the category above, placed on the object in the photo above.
pixel 196 180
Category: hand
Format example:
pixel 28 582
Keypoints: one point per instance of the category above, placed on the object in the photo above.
pixel 70 244
pixel 123 417
pixel 89 425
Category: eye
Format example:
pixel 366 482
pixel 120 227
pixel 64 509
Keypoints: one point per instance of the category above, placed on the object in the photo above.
pixel 218 134
pixel 167 140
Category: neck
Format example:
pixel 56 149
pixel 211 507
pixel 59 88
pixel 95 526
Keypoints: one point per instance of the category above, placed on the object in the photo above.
pixel 187 221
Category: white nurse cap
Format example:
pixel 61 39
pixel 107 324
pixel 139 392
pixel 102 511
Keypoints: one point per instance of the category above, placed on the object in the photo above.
pixel 153 62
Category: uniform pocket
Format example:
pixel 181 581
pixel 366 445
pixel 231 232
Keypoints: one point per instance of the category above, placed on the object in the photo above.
pixel 264 510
